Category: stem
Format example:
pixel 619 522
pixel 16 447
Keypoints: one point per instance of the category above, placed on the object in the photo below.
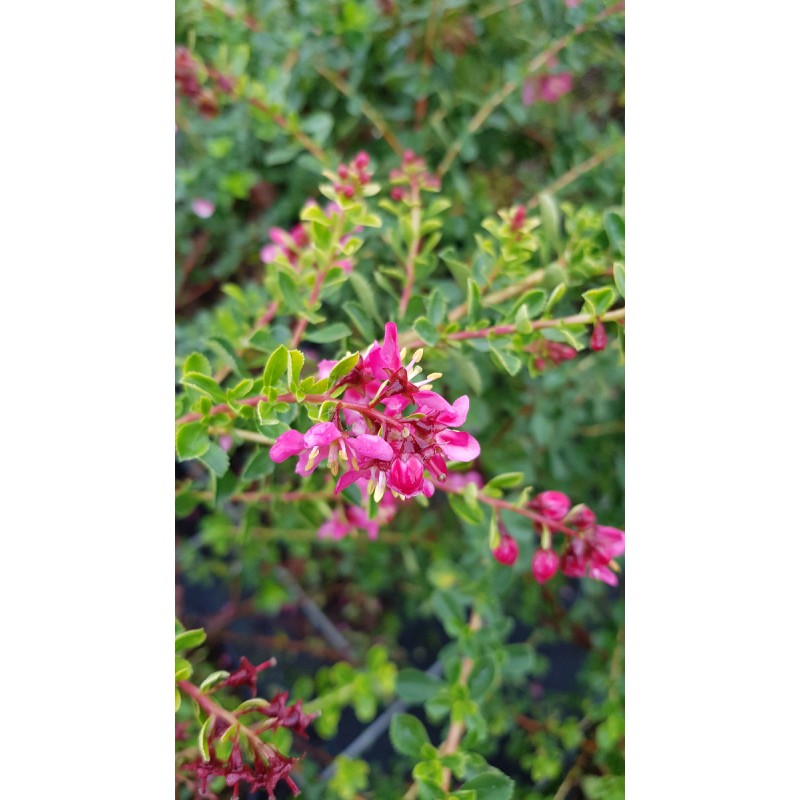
pixel 214 709
pixel 482 114
pixel 507 330
pixel 319 279
pixel 413 250
pixel 369 111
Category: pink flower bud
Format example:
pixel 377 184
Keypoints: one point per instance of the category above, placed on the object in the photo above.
pixel 397 193
pixel 552 505
pixel 361 160
pixel 507 551
pixel 599 338
pixel 406 476
pixel 348 191
pixel 544 565
pixel 580 517
pixel 409 156
pixel 342 171
pixel 203 208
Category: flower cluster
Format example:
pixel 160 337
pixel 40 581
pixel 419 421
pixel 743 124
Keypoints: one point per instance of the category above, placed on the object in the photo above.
pixel 412 177
pixel 589 549
pixel 350 519
pixel 389 448
pixel 547 353
pixel 353 177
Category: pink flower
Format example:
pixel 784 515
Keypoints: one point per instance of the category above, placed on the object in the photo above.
pixel 591 554
pixel 544 565
pixel 203 208
pixel 507 551
pixel 458 480
pixel 553 505
pixel 554 86
pixel 353 518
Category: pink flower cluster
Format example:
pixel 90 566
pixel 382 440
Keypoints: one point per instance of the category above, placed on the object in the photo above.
pixel 353 176
pixel 293 242
pixel 350 519
pixel 389 448
pixel 412 177
pixel 589 549
pixel 546 88
pixel 547 353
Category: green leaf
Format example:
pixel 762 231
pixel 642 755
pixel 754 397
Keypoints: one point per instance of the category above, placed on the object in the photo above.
pixel 213 679
pixel 598 301
pixel 522 321
pixel 448 611
pixel 615 228
pixel 296 361
pixel 506 480
pixel 491 786
pixel 415 686
pixel 370 221
pixel 535 300
pixel 365 293
pixel 259 465
pixel 426 331
pixel 494 531
pixel 551 220
pixel 330 333
pixel 481 678
pixel 242 389
pixel 315 214
pixel 436 307
pixel 275 367
pixel 471 515
pixel 473 301
pixel 183 669
pixel 360 319
pixel 342 368
pixel 619 277
pixel 197 362
pixel 188 640
pixel 407 735
pixel 204 384
pixel 216 459
pixel 202 739
pixel 506 359
pixel 604 787
pixel 555 296
pixel 289 293
pixel 191 440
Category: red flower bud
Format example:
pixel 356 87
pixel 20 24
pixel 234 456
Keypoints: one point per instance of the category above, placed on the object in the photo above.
pixel 599 338
pixel 397 193
pixel 342 171
pixel 507 551
pixel 361 161
pixel 544 565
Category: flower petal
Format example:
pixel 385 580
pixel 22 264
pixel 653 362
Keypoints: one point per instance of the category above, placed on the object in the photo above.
pixel 287 444
pixel 458 445
pixel 370 446
pixel 321 434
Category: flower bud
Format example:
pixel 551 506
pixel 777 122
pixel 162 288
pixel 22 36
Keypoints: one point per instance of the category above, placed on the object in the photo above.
pixel 507 551
pixel 599 337
pixel 552 505
pixel 406 476
pixel 361 160
pixel 580 517
pixel 544 565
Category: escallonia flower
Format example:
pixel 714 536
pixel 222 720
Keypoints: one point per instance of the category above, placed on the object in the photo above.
pixel 389 448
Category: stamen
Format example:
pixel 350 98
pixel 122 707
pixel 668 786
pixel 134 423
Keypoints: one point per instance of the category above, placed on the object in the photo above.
pixel 433 376
pixel 371 486
pixel 616 567
pixel 380 490
pixel 426 388
pixel 417 356
pixel 313 454
pixel 403 354
pixel 406 432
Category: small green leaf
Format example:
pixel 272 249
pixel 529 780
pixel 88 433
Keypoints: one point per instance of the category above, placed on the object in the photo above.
pixel 213 679
pixel 619 277
pixel 360 319
pixel 473 301
pixel 426 331
pixel 275 367
pixel 448 611
pixel 535 300
pixel 242 389
pixel 202 739
pixel 506 480
pixel 250 705
pixel 598 301
pixel 183 669
pixel 259 465
pixel 407 735
pixel 216 459
pixel 191 441
pixel 370 221
pixel 330 333
pixel 491 786
pixel 555 296
pixel 615 228
pixel 436 307
pixel 204 384
pixel 188 640
pixel 296 361
pixel 506 359
pixel 415 686
pixel 342 368
pixel 313 213
pixel 551 220
pixel 494 531
pixel 365 293
pixel 196 362
pixel 522 321
pixel 481 678
pixel 463 509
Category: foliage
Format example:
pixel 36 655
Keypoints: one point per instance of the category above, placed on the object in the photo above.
pixel 457 634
